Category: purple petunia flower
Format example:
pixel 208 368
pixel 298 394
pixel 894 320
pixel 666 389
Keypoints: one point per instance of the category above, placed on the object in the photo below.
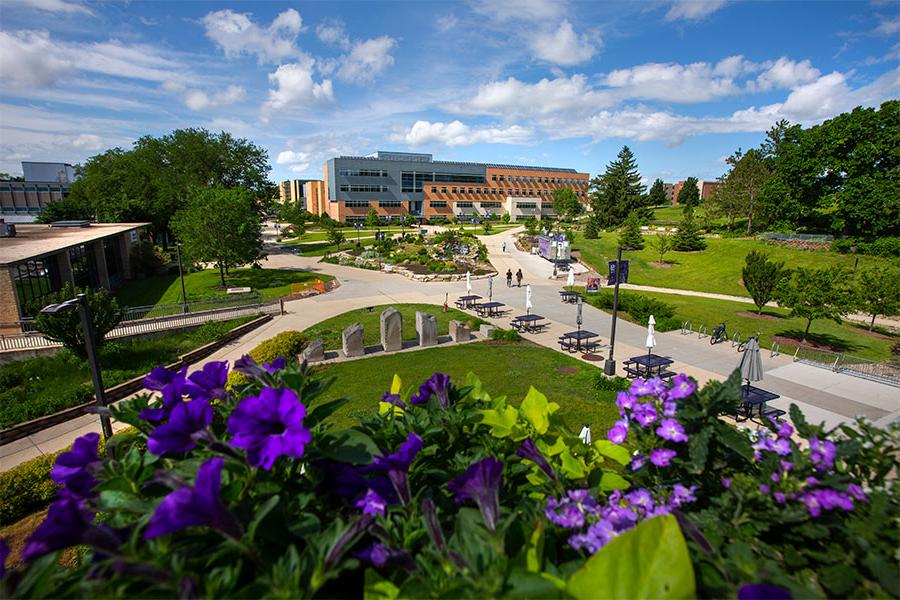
pixel 645 413
pixel 779 497
pixel 393 399
pixel 784 430
pixel 625 400
pixel 782 446
pixel 209 382
pixel 670 429
pixel 4 554
pixel 529 451
pixel 75 469
pixel 786 466
pixel 682 387
pixel 682 495
pixel 764 489
pixel 179 434
pixel 763 591
pixel 661 457
pixel 637 462
pixel 481 482
pixel 822 453
pixel 670 407
pixel 65 525
pixel 617 434
pixel 856 492
pixel 195 507
pixel 396 465
pixel 726 483
pixel 249 367
pixel 437 385
pixel 640 498
pixel 434 525
pixel 268 426
pixel 160 377
pixel 172 394
pixel 380 555
pixel 372 503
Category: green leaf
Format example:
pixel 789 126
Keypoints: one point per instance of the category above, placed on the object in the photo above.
pixel 476 391
pixel 323 411
pixel 573 467
pixel 534 550
pixel 379 588
pixel 501 421
pixel 537 410
pixel 261 513
pixel 614 451
pixel 349 446
pixel 613 481
pixel 552 450
pixel 698 450
pixel 396 384
pixel 116 500
pixel 650 561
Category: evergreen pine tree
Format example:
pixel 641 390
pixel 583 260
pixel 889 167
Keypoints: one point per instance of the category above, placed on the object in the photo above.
pixel 689 195
pixel 619 191
pixel 688 236
pixel 630 237
pixel 657 194
pixel 592 229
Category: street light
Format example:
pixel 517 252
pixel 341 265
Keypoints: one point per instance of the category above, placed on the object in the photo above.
pixel 609 367
pixel 357 225
pixel 80 301
pixel 855 261
pixel 184 304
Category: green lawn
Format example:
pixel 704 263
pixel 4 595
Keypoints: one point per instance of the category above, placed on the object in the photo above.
pixel 41 386
pixel 325 247
pixel 505 368
pixel 330 330
pixel 716 269
pixel 269 284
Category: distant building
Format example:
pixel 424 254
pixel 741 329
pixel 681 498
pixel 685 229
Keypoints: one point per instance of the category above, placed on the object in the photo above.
pixel 705 189
pixel 670 192
pixel 291 190
pixel 45 182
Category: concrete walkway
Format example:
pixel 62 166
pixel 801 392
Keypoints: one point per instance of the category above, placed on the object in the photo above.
pixel 822 395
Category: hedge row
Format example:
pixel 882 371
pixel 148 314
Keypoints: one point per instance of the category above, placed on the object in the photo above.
pixel 284 345
pixel 639 308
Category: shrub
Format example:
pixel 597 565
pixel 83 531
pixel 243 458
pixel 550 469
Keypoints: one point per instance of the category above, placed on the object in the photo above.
pixel 65 326
pixel 26 488
pixel 639 308
pixel 506 335
pixel 602 383
pixel 884 246
pixel 287 344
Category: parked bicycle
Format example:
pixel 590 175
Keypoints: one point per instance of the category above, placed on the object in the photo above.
pixel 743 345
pixel 719 334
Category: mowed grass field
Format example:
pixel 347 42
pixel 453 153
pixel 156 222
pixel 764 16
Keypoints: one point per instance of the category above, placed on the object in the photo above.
pixel 716 269
pixel 505 368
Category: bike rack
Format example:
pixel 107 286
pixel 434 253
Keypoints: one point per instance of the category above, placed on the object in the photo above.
pixel 686 327
pixel 736 339
pixel 776 350
pixel 701 332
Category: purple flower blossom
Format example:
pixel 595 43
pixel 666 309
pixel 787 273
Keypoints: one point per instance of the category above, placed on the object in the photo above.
pixel 670 429
pixel 250 368
pixel 779 497
pixel 670 407
pixel 529 451
pixel 640 498
pixel 64 526
pixel 372 503
pixel 393 399
pixel 172 394
pixel 625 400
pixel 481 482
pixel 437 385
pixel 764 489
pixel 617 434
pixel 784 430
pixel 726 483
pixel 856 492
pixel 564 513
pixel 195 506
pixel 682 495
pixel 822 453
pixel 209 382
pixel 75 469
pixel 661 457
pixel 775 477
pixel 276 365
pixel 269 425
pixel 786 466
pixel 637 461
pixel 434 525
pixel 682 387
pixel 597 535
pixel 763 591
pixel 186 421
pixel 782 447
pixel 646 387
pixel 4 554
pixel 645 413
pixel 157 379
pixel 396 465
pixel 380 555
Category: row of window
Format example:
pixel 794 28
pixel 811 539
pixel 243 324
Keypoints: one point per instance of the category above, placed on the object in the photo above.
pixel 443 204
pixel 412 181
pixel 509 191
pixel 362 173
pixel 363 188
pixel 539 179
pixel 356 203
pixel 390 203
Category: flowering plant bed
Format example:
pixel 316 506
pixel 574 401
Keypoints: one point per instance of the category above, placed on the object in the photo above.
pixel 447 491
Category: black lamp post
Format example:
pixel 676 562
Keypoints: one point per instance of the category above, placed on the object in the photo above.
pixel 855 260
pixel 80 302
pixel 184 304
pixel 357 226
pixel 609 367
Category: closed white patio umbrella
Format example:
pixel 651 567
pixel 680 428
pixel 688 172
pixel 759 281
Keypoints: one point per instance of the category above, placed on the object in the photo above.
pixel 468 283
pixel 490 288
pixel 570 279
pixel 528 304
pixel 651 339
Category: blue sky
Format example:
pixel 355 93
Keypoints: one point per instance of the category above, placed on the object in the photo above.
pixel 547 82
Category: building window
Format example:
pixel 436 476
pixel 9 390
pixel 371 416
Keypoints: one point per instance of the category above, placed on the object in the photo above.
pixel 356 203
pixel 363 188
pixel 438 204
pixel 34 280
pixel 453 190
pixel 362 173
pixel 464 205
pixel 531 192
pixel 390 203
pixel 494 177
pixel 84 267
pixel 443 190
pixel 526 204
pixel 490 205
pixel 501 178
pixel 471 191
pixel 433 189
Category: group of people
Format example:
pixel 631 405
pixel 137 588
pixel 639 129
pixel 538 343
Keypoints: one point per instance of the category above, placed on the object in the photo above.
pixel 509 277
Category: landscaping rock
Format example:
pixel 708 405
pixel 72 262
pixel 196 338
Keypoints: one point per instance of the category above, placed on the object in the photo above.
pixel 391 330
pixel 486 331
pixel 314 351
pixel 353 338
pixel 459 332
pixel 426 329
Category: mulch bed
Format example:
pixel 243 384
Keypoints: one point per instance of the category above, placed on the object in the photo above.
pixel 794 342
pixel 658 265
pixel 764 316
pixel 592 357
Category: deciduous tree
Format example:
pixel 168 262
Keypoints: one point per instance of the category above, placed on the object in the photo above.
pixel 814 294
pixel 662 243
pixel 877 292
pixel 761 277
pixel 372 219
pixel 749 173
pixel 65 326
pixel 566 204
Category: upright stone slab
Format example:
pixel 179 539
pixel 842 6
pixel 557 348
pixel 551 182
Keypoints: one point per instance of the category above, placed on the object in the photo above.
pixel 426 329
pixel 391 330
pixel 486 330
pixel 314 351
pixel 459 332
pixel 353 338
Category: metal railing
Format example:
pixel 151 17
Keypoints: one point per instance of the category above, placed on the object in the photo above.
pixel 881 371
pixel 28 341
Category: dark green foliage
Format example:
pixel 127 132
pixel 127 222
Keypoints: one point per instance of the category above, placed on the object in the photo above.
pixel 689 195
pixel 688 238
pixel 566 203
pixel 592 228
pixel 372 218
pixel 65 326
pixel 619 191
pixel 882 246
pixel 815 294
pixel 877 292
pixel 761 276
pixel 638 308
pixel 630 238
pixel 506 335
pixel 603 383
pixel 26 488
pixel 295 216
pixel 657 194
pixel 335 235
pixel 65 209
pixel 531 225
pixel 147 260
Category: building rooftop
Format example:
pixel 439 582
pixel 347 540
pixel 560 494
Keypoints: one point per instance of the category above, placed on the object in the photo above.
pixel 427 158
pixel 35 241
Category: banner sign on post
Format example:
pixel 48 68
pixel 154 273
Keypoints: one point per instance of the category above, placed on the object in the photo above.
pixel 593 285
pixel 623 273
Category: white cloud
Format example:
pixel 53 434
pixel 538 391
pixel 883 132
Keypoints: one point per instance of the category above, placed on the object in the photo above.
pixel 537 11
pixel 693 10
pixel 563 46
pixel 30 59
pixel 88 141
pixel 298 162
pixel 888 27
pixel 445 23
pixel 197 100
pixel 515 98
pixel 786 73
pixel 367 60
pixel 671 82
pixel 457 133
pixel 296 88
pixel 333 33
pixel 236 34
pixel 56 6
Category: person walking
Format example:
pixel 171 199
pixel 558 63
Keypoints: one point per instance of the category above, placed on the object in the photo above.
pixel 503 247
pixel 509 278
pixel 519 278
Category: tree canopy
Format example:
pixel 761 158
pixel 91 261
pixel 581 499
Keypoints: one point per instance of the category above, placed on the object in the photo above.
pixel 618 192
pixel 689 194
pixel 749 173
pixel 814 294
pixel 566 204
pixel 761 277
pixel 630 238
pixel 657 193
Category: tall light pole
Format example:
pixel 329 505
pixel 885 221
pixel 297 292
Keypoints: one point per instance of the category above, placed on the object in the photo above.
pixel 184 304
pixel 855 261
pixel 609 367
pixel 80 301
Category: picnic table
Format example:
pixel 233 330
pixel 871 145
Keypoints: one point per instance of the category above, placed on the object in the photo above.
pixel 569 296
pixel 755 399
pixel 528 323
pixel 490 309
pixel 467 301
pixel 648 365
pixel 572 341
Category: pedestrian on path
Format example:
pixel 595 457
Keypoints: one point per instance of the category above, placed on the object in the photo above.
pixel 509 278
pixel 519 278
pixel 503 246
